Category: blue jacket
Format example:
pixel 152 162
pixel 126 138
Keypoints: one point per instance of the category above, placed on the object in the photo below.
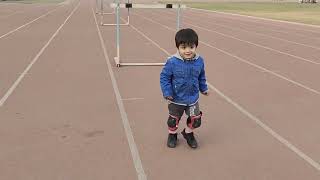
pixel 183 79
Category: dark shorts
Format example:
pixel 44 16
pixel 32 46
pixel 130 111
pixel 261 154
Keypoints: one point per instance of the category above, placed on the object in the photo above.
pixel 178 110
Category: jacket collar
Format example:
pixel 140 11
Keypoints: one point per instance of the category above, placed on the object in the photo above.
pixel 177 55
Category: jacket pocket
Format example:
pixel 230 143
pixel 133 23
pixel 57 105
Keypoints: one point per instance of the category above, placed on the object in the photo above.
pixel 180 89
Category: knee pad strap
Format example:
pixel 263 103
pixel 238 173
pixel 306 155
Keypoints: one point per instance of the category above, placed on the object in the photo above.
pixel 173 122
pixel 194 121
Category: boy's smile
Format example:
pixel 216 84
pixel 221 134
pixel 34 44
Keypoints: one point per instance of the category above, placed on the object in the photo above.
pixel 187 51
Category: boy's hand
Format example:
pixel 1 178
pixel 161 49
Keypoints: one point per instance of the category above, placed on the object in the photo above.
pixel 169 99
pixel 206 93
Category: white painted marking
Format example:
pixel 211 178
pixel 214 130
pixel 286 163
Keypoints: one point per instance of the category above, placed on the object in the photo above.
pixel 252 43
pixel 266 128
pixel 284 31
pixel 253 17
pixel 264 69
pixel 132 99
pixel 261 34
pixel 16 83
pixel 243 60
pixel 255 44
pixel 149 39
pixel 10 32
pixel 132 145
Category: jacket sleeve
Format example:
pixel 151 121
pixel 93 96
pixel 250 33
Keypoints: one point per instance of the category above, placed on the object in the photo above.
pixel 202 80
pixel 166 79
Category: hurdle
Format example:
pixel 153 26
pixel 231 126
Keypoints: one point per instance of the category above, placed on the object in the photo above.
pixel 103 13
pixel 118 5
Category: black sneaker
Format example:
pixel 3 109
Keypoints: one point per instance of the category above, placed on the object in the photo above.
pixel 172 140
pixel 192 142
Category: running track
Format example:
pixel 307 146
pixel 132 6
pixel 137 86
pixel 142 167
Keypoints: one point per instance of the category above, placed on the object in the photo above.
pixel 68 113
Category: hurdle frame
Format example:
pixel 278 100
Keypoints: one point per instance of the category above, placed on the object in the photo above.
pixel 114 12
pixel 118 5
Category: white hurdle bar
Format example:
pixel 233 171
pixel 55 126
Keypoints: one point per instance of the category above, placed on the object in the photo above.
pixel 148 6
pixel 117 6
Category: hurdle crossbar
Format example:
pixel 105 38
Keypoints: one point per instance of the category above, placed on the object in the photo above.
pixel 148 6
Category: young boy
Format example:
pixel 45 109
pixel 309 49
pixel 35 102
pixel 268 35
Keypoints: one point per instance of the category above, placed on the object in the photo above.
pixel 181 80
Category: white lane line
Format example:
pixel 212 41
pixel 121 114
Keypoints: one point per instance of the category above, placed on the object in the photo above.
pixel 10 32
pixel 255 44
pixel 132 99
pixel 264 69
pixel 20 11
pixel 16 83
pixel 150 39
pixel 253 17
pixel 243 60
pixel 283 31
pixel 264 126
pixel 132 145
pixel 261 34
pixel 252 43
pixel 153 42
pixel 268 129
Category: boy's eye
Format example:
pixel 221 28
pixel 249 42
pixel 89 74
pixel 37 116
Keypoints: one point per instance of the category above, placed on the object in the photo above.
pixel 192 46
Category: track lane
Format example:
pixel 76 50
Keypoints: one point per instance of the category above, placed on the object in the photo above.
pixel 62 122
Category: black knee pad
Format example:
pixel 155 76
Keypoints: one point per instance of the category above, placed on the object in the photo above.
pixel 194 121
pixel 173 122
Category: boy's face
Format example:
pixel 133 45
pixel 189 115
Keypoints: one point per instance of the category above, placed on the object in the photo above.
pixel 187 51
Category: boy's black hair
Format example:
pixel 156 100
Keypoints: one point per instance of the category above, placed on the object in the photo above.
pixel 186 36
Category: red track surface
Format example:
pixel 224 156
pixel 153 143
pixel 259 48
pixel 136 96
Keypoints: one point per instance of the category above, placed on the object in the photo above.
pixel 61 119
